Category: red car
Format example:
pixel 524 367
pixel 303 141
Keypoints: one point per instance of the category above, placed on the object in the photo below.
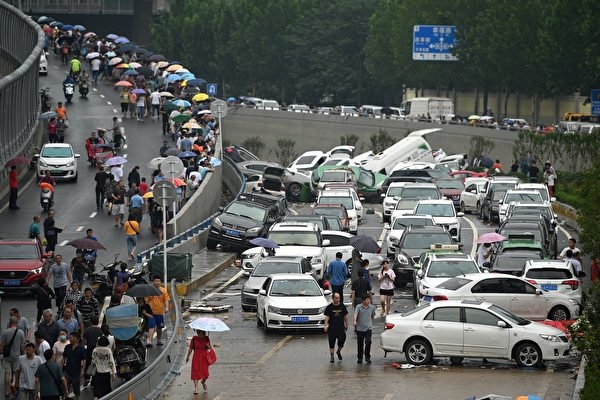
pixel 451 189
pixel 21 264
pixel 462 175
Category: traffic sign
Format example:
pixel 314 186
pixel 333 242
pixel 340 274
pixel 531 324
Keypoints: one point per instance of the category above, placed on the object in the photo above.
pixel 211 89
pixel 164 192
pixel 219 108
pixel 595 101
pixel 172 167
pixel 434 42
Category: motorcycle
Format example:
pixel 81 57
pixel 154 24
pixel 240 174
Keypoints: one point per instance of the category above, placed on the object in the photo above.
pixel 46 100
pixel 103 284
pixel 69 89
pixel 46 196
pixel 126 327
pixel 84 89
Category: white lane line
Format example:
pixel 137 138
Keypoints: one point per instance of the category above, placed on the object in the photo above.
pixel 63 243
pixel 115 110
pixel 388 396
pixel 102 96
pixel 274 350
pixel 475 236
pixel 223 286
pixel 563 230
pixel 109 103
pixel 94 89
pixel 92 215
pixel 382 236
pixel 79 229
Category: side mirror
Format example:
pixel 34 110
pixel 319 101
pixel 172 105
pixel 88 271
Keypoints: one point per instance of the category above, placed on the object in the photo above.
pixel 539 292
pixel 500 201
pixel 501 324
pixel 581 274
pixel 262 292
pixel 326 242
pixel 246 273
pixel 382 195
pixel 77 155
pixel 460 214
pixel 37 155
pixel 221 209
pixel 327 292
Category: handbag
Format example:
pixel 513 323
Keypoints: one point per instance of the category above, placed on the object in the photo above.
pixel 7 348
pixel 211 356
pixel 91 370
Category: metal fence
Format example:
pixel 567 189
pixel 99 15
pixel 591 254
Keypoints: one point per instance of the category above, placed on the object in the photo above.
pixel 21 43
pixel 62 7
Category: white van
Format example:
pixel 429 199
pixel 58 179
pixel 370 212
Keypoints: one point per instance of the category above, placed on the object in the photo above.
pixel 411 148
pixel 371 111
pixel 299 108
pixel 348 111
pixel 265 104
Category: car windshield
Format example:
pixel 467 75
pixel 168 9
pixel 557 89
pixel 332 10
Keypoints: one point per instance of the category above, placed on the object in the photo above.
pixel 295 238
pixel 346 201
pixel 436 210
pixel 508 262
pixel 523 197
pixel 450 184
pixel 406 204
pixel 394 191
pixel 18 252
pixel 267 268
pixel 454 283
pixel 402 223
pixel 420 193
pixel 57 152
pixel 333 176
pixel 420 240
pixel 515 319
pixel 450 269
pixel 305 160
pixel 246 210
pixel 295 287
pixel 335 211
pixel 503 185
pixel 366 178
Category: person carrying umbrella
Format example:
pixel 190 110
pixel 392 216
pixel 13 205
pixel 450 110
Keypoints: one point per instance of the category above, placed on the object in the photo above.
pixel 199 345
pixel 484 254
pixel 13 183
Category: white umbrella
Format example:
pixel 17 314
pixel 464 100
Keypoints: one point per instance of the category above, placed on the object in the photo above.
pixel 115 61
pixel 166 94
pixel 93 54
pixel 111 162
pixel 473 117
pixel 209 324
pixel 153 164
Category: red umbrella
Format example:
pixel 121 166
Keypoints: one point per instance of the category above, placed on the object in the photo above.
pixel 124 84
pixel 17 161
pixel 491 237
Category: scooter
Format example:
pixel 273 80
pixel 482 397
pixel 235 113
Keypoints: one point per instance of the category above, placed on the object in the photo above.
pixel 130 356
pixel 84 89
pixel 102 284
pixel 69 89
pixel 46 198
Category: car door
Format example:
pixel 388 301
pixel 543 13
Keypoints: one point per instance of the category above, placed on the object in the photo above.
pixel 482 336
pixel 337 243
pixel 525 300
pixel 469 197
pixel 444 330
pixel 491 290
pixel 260 299
pixel 421 272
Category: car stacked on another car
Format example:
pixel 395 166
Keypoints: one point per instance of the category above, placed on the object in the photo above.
pixel 451 189
pixel 348 200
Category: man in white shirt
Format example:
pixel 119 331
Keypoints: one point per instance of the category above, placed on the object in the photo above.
pixel 155 101
pixel 117 172
pixel 96 63
pixel 484 254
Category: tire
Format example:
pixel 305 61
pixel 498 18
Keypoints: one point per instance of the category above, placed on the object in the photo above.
pixel 559 313
pixel 528 355
pixel 211 244
pixel 258 321
pixel 265 327
pixel 294 191
pixel 75 178
pixel 246 308
pixel 478 207
pixel 456 360
pixel 462 207
pixel 418 352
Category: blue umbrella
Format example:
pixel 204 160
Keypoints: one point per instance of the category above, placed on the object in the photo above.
pixel 195 82
pixel 121 39
pixel 56 24
pixel 67 27
pixel 209 324
pixel 172 78
pixel 187 76
pixel 181 103
pixel 112 36
pixel 187 154
pixel 80 28
pixel 264 242
pixel 132 72
pixel 231 99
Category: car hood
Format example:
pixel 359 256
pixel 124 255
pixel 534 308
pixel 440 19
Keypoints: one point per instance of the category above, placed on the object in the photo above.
pixel 57 161
pixel 238 221
pixel 19 265
pixel 302 251
pixel 445 220
pixel 542 329
pixel 299 302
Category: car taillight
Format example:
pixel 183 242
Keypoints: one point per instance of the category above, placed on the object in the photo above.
pixel 388 325
pixel 574 283
pixel 533 282
pixel 378 251
pixel 439 298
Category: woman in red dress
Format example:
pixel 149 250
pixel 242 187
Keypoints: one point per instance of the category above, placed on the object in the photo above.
pixel 199 344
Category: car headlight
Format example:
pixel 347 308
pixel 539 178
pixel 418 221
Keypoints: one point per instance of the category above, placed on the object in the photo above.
pixel 256 229
pixel 42 163
pixel 274 310
pixel 389 204
pixel 71 164
pixel 574 302
pixel 37 270
pixel 317 260
pixel 551 338
pixel 322 310
pixel 402 259
pixel 217 222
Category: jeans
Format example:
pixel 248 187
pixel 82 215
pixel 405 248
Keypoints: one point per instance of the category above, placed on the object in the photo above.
pixel 363 339
pixel 140 112
pixel 131 243
pixel 95 76
pixel 99 197
pixel 60 293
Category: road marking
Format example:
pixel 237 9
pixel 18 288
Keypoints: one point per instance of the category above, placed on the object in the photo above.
pixel 294 212
pixel 563 230
pixel 93 215
pixel 109 103
pixel 223 286
pixel 115 110
pixel 125 155
pixel 382 236
pixel 79 229
pixel 475 235
pixel 63 243
pixel 388 396
pixel 94 89
pixel 274 350
pixel 102 96
pixel 544 386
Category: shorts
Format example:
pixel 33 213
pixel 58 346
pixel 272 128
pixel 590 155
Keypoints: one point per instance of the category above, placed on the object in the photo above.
pixel 386 292
pixel 159 321
pixel 118 209
pixel 340 337
pixel 151 324
pixel 9 365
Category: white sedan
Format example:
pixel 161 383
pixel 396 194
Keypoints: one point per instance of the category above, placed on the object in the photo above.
pixel 470 198
pixel 59 159
pixel 508 291
pixel 291 301
pixel 459 329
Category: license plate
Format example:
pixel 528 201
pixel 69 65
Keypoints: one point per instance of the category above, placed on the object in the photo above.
pixel 56 171
pixel 232 232
pixel 12 282
pixel 299 320
pixel 549 287
pixel 427 299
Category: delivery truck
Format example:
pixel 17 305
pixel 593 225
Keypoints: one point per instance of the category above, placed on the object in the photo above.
pixel 432 107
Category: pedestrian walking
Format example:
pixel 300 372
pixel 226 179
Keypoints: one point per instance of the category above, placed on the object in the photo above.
pixel 155 101
pixel 27 366
pixel 12 342
pixel 386 279
pixel 132 230
pixel 106 370
pixel 49 380
pixel 52 134
pixel 118 203
pixel 61 279
pixel 550 179
pixel 336 325
pixel 78 267
pixel 13 183
pixel 199 345
pixel 73 364
pixel 90 340
pixel 132 103
pixel 134 176
pixel 159 305
pixel 43 294
pixel 141 107
pixel 100 178
pixel 145 312
pixel 88 307
pixel 51 234
pixel 361 288
pixel 48 326
pixel 136 202
pixel 95 64
pixel 337 271
pixel 41 344
pixel 34 229
pixel 59 346
pixel 364 314
pixel 124 100
pixel 356 264
pixel 22 322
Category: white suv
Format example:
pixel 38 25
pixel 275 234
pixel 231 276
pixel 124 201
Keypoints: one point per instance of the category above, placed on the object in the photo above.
pixel 555 276
pixel 390 199
pixel 517 196
pixel 347 198
pixel 443 213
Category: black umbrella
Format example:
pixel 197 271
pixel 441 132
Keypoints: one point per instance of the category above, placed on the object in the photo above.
pixel 143 290
pixel 146 71
pixel 127 47
pixel 171 151
pixel 157 57
pixel 86 243
pixel 365 244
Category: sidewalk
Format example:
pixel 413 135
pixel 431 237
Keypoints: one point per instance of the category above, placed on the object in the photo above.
pixel 206 265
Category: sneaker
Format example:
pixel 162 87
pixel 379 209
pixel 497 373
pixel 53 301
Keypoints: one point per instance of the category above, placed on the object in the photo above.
pixel 368 360
pixel 71 395
pixel 149 345
pixel 339 354
pixel 331 360
pixel 159 343
pixel 359 361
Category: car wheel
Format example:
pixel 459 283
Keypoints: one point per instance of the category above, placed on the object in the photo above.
pixel 462 207
pixel 478 207
pixel 294 191
pixel 259 323
pixel 211 244
pixel 418 352
pixel 528 355
pixel 265 327
pixel 456 360
pixel 246 308
pixel 559 313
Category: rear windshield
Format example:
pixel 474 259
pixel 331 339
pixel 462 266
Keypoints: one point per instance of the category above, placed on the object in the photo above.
pixel 346 201
pixel 401 223
pixel 335 211
pixel 425 240
pixel 549 273
pixel 454 283
pixel 436 210
pixel 333 176
pixel 268 268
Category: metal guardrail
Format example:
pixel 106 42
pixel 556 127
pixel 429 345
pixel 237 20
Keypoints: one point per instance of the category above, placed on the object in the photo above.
pixel 153 381
pixel 21 43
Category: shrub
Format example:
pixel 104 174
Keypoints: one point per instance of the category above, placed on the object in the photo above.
pixel 349 140
pixel 381 141
pixel 254 144
pixel 480 146
pixel 285 151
